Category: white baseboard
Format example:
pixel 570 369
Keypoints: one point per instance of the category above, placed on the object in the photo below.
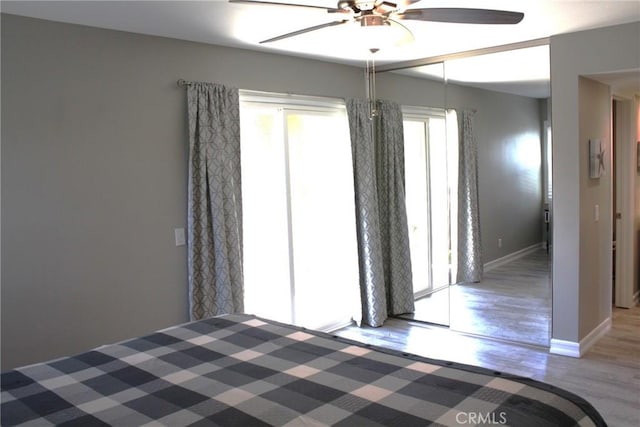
pixel 578 349
pixel 564 348
pixel 512 256
pixel 636 298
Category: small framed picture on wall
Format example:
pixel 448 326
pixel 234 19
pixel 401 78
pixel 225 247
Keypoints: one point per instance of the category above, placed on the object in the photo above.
pixel 596 158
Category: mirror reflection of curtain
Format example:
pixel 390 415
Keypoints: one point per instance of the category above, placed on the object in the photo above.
pixel 381 220
pixel 470 267
pixel 214 201
pixel 389 141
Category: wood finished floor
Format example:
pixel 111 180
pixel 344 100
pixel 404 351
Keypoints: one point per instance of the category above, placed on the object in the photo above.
pixel 512 302
pixel 608 376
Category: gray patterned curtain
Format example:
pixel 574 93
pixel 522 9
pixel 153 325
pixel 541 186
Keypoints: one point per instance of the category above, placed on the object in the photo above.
pixel 394 229
pixel 372 289
pixel 470 267
pixel 381 221
pixel 215 204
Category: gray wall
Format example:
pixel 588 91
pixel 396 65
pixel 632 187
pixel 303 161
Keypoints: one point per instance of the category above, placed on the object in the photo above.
pixel 94 176
pixel 94 173
pixel 509 168
pixel 578 309
pixel 595 234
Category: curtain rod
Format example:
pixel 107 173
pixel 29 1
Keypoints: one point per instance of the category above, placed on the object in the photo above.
pixel 284 95
pixel 184 83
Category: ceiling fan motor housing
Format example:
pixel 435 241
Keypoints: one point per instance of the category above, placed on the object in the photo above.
pixel 365 4
pixel 371 20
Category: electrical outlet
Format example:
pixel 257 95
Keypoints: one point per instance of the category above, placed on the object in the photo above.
pixel 499 243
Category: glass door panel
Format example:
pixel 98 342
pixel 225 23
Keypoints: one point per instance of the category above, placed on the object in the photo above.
pixel 322 219
pixel 427 186
pixel 300 247
pixel 439 204
pixel 264 219
pixel 417 200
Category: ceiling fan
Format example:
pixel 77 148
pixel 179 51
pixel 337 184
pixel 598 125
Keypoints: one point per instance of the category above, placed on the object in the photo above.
pixel 377 13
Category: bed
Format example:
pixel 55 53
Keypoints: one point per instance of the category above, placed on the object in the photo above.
pixel 241 370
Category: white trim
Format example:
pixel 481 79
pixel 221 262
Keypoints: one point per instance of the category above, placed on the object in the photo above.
pixel 423 293
pixel 636 298
pixel 625 153
pixel 564 348
pixel 291 100
pixel 334 326
pixel 414 112
pixel 512 256
pixel 464 54
pixel 575 349
pixel 587 342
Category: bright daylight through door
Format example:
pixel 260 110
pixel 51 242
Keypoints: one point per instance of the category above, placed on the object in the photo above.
pixel 300 250
pixel 429 168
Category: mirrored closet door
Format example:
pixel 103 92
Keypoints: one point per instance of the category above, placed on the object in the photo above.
pixel 428 178
pixel 496 126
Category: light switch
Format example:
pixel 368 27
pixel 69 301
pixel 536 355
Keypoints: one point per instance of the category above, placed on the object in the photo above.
pixel 180 237
pixel 596 213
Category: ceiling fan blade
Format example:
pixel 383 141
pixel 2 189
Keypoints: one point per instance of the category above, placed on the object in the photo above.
pixel 400 4
pixel 276 3
pixel 384 7
pixel 462 15
pixel 306 30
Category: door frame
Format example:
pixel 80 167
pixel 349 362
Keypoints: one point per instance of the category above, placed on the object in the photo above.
pixel 625 153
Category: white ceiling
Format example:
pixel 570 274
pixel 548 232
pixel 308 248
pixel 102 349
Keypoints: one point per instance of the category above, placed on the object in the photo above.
pixel 241 25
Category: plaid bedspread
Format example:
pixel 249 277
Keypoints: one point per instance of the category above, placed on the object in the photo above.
pixel 240 370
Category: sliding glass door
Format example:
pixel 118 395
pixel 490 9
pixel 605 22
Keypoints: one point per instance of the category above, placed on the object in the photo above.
pixel 428 183
pixel 300 245
pixel 322 212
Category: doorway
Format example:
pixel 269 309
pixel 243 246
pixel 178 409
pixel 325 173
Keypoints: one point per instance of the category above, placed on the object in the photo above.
pixel 624 158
